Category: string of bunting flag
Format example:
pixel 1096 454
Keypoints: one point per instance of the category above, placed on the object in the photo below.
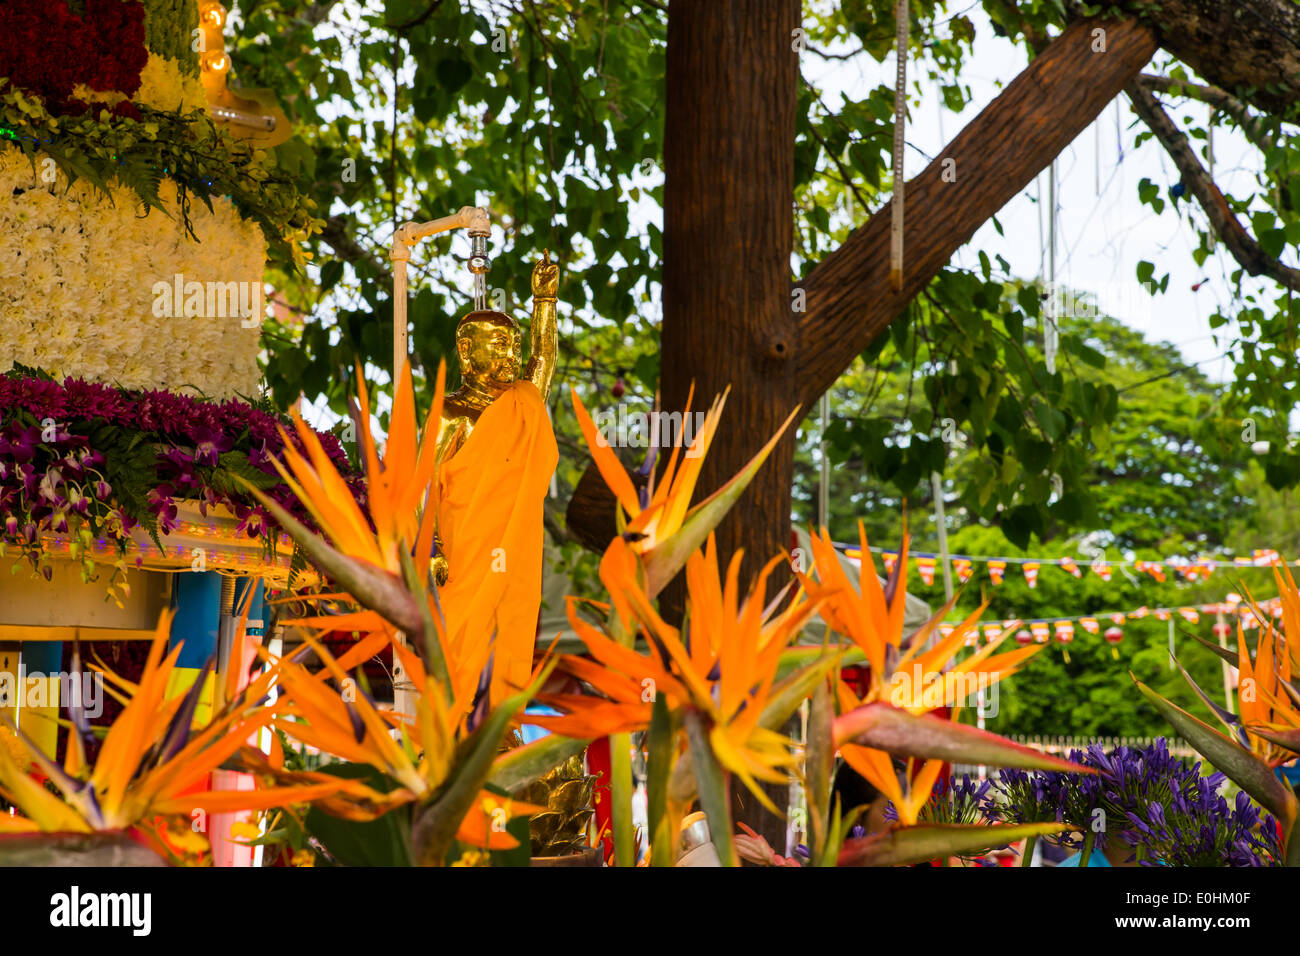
pixel 965 565
pixel 1062 629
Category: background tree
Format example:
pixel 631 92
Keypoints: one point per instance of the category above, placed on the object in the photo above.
pixel 1164 484
pixel 558 110
pixel 583 118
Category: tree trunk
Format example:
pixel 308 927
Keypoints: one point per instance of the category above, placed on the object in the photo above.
pixel 732 77
pixel 728 233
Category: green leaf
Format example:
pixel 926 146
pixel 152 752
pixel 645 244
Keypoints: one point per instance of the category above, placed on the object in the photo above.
pixel 439 816
pixel 384 841
pixel 1242 767
pixel 233 466
pixel 453 73
pixel 520 766
pixel 647 369
pixel 920 844
pixel 712 784
pixel 660 753
pixel 884 727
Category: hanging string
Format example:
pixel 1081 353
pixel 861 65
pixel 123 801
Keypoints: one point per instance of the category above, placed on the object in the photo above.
pixel 902 16
pixel 1096 157
pixel 1049 317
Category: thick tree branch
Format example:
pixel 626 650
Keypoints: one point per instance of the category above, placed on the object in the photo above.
pixel 1251 48
pixel 849 300
pixel 1240 243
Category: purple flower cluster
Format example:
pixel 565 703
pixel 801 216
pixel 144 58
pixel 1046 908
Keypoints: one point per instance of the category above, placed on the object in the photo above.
pixel 951 802
pixel 79 455
pixel 1173 815
pixel 1163 809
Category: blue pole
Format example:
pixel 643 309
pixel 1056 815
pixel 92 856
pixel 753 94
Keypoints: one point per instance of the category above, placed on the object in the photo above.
pixel 197 600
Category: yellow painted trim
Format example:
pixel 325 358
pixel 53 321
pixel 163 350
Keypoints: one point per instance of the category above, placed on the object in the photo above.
pixel 35 632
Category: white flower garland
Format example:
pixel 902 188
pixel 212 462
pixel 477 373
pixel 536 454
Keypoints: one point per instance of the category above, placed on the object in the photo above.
pixel 78 277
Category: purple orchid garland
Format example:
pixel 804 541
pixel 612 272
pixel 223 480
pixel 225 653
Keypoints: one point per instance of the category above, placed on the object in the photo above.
pixel 63 444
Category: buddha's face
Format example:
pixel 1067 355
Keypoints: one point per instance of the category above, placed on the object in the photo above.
pixel 490 354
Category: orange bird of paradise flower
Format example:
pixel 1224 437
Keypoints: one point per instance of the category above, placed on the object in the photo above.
pixel 724 666
pixel 370 552
pixel 421 759
pixel 1267 699
pixel 658 523
pixel 151 760
pixel 871 616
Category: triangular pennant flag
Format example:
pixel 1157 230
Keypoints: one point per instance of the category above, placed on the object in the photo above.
pixel 926 567
pixel 1089 624
pixel 1071 566
pixel 1153 568
pixel 996 570
pixel 991 632
pixel 890 558
pixel 964 567
pixel 1101 569
pixel 1039 630
pixel 1189 614
pixel 1031 573
pixel 1119 618
pixel 1162 614
pixel 1064 635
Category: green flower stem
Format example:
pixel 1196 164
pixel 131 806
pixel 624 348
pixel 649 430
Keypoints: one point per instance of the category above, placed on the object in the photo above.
pixel 620 771
pixel 1027 856
pixel 1086 854
pixel 714 796
pixel 620 795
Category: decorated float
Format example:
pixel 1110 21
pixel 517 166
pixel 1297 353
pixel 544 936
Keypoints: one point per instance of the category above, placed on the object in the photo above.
pixel 139 203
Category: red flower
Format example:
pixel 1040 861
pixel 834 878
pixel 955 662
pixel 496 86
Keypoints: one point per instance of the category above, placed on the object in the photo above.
pixel 47 50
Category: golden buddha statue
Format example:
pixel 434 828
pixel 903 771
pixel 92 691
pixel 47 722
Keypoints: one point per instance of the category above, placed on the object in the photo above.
pixel 497 453
pixel 488 347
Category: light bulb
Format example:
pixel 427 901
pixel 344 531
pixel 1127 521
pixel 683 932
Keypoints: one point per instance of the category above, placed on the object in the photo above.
pixel 213 15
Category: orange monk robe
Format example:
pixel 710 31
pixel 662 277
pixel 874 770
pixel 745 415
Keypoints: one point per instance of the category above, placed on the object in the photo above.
pixel 492 491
